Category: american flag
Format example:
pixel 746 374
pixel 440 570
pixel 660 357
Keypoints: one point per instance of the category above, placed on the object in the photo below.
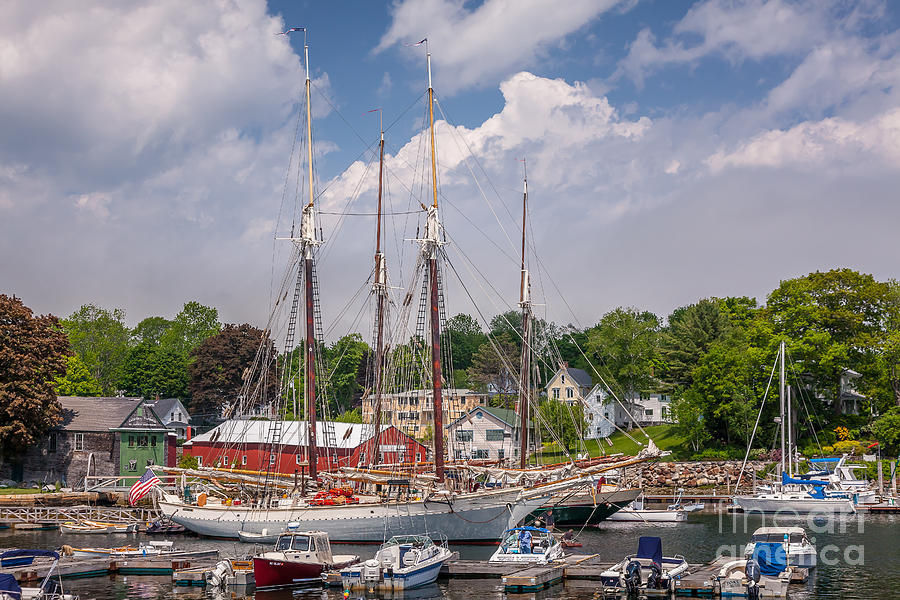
pixel 143 486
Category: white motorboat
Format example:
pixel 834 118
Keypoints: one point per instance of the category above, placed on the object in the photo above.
pixel 800 551
pixel 637 513
pixel 402 563
pixel 646 570
pixel 50 588
pixel 743 579
pixel 155 548
pixel 528 545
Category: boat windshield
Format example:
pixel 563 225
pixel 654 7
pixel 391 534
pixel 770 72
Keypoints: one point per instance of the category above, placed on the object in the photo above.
pixel 420 541
pixel 293 542
pixel 794 538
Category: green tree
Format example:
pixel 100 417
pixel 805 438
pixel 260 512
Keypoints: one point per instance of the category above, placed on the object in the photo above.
pixel 101 340
pixel 832 321
pixel 350 416
pixel 150 330
pixel 348 359
pixel 77 381
pixel 564 420
pixel 689 334
pixel 495 367
pixel 466 337
pixel 890 344
pixel 191 327
pixel 626 344
pixel 188 462
pixel 690 422
pixel 33 354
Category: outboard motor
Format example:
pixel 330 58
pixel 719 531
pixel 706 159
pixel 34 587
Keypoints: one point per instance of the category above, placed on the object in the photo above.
pixel 654 579
pixel 753 574
pixel 633 577
pixel 371 571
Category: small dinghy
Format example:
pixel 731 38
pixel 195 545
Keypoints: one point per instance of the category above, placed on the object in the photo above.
pixel 404 562
pixel 153 549
pixel 97 527
pixel 165 527
pixel 646 570
pixel 263 537
pixel 528 545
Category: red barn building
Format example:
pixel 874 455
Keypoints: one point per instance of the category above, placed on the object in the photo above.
pixel 244 444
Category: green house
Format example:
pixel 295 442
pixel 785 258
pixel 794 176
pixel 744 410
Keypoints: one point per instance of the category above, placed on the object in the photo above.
pixel 143 441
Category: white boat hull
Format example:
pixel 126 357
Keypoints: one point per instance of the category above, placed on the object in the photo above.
pixel 480 516
pixel 648 516
pixel 790 504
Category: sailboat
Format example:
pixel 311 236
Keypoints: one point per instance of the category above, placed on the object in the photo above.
pixel 460 516
pixel 793 495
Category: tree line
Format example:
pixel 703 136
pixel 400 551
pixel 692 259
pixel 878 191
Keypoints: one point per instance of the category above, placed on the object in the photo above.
pixel 713 356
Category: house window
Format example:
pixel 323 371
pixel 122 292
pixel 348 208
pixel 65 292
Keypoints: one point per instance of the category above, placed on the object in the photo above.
pixel 590 416
pixel 272 459
pixel 199 461
pixel 555 393
pixel 463 435
pixel 149 462
pixel 132 465
pixel 51 443
pixel 131 441
pixel 501 454
pixel 142 440
pixel 563 379
pixel 298 459
pixel 79 441
pixel 570 392
pixel 494 435
pixel 480 453
pixel 479 415
pixel 648 412
pixel 244 460
pixel 418 457
pixel 152 440
pixel 225 460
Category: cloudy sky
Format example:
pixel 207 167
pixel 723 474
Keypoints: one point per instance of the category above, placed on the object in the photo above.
pixel 675 150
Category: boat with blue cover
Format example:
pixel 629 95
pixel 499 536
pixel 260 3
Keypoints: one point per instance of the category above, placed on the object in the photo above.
pixel 646 570
pixel 50 588
pixel 527 545
pixel 402 563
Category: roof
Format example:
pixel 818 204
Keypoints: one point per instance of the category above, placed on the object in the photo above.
pixel 95 414
pixel 427 393
pixel 770 530
pixel 580 376
pixel 293 433
pixel 504 414
pixel 163 407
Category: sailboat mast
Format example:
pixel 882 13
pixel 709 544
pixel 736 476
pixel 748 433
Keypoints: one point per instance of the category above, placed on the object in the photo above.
pixel 380 288
pixel 525 362
pixel 308 242
pixel 781 399
pixel 432 234
pixel 790 436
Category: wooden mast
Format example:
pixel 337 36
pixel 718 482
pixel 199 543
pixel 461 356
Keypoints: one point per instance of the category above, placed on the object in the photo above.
pixel 380 288
pixel 432 237
pixel 525 362
pixel 308 233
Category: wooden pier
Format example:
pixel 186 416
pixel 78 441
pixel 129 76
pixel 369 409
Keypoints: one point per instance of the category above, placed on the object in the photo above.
pixel 60 514
pixel 75 568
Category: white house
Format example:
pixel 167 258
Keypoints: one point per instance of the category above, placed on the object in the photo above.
pixel 485 433
pixel 604 414
pixel 172 413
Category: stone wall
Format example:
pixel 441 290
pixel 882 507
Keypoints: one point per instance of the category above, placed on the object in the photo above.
pixel 43 464
pixel 697 477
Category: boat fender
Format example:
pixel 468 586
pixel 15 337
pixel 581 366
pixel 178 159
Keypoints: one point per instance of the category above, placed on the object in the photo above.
pixel 633 576
pixel 654 579
pixel 752 571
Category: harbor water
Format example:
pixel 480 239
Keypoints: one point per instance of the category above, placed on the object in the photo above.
pixel 858 558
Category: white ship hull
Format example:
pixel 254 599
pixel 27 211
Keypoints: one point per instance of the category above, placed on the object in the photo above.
pixel 794 504
pixel 481 516
pixel 648 516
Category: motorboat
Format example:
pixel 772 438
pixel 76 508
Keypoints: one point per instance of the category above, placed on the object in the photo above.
pixel 527 545
pixel 97 527
pixel 299 557
pixel 638 513
pixel 743 578
pixel 50 588
pixel 402 563
pixel 646 570
pixel 165 526
pixel 799 550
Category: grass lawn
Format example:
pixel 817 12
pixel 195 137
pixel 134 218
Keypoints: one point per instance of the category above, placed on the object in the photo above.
pixel 663 436
pixel 5 491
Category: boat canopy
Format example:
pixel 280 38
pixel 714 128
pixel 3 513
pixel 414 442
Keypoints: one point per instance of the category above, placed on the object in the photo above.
pixel 9 585
pixel 528 528
pixel 788 480
pixel 771 558
pixel 650 547
pixel 410 540
pixel 33 553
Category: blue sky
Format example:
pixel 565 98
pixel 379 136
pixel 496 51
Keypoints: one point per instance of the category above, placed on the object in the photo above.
pixel 676 150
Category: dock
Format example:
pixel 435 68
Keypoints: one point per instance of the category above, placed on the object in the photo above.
pixel 76 568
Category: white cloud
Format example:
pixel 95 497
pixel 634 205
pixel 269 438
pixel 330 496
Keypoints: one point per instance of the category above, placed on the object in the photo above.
pixel 478 45
pixel 819 144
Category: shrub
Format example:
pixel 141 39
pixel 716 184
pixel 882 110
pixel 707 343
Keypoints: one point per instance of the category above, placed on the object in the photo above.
pixel 849 447
pixel 827 450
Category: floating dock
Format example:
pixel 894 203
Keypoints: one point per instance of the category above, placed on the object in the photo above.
pixel 74 568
